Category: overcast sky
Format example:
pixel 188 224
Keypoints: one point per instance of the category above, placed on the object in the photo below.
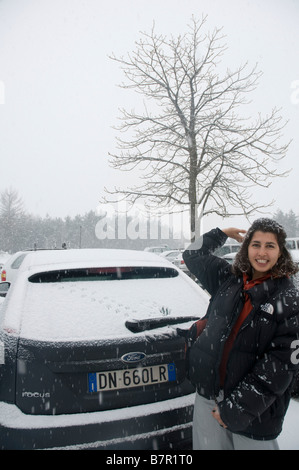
pixel 59 97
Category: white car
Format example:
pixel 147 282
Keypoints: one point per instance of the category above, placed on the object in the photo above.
pixel 230 257
pixel 92 356
pixel 293 243
pixel 180 263
pixel 3 259
pixel 171 255
pixel 156 249
pixel 295 255
pixel 11 266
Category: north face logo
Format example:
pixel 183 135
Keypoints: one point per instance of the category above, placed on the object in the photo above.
pixel 268 308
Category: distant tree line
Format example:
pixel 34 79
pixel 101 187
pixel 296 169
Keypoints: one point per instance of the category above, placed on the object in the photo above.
pixel 22 231
pixel 289 221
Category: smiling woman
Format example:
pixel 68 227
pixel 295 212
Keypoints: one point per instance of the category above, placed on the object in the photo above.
pixel 244 355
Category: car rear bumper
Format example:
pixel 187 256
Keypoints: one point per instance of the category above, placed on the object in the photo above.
pixel 156 426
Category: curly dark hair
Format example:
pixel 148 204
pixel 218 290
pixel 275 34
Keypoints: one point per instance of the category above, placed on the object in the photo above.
pixel 285 266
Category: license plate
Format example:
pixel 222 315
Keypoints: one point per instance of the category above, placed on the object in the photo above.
pixel 128 378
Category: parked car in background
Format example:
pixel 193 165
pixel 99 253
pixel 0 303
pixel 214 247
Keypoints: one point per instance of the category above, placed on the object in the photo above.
pixel 11 266
pixel 293 247
pixel 293 243
pixel 227 248
pixel 156 249
pixel 295 256
pixel 171 255
pixel 92 355
pixel 230 257
pixel 180 263
pixel 3 258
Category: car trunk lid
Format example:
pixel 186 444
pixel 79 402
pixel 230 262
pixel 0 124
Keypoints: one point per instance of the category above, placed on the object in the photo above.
pixel 55 378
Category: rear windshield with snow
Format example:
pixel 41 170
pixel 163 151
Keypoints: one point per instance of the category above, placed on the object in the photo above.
pixel 48 310
pixel 103 274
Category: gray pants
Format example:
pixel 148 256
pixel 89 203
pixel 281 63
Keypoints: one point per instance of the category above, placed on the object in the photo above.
pixel 209 435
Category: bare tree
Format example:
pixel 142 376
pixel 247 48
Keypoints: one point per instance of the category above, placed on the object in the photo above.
pixel 11 204
pixel 194 150
pixel 11 217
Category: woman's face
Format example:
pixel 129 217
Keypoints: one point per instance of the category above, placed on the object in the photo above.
pixel 263 253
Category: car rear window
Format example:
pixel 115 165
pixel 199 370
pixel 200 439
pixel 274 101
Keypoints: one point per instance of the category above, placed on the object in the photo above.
pixel 84 311
pixel 103 274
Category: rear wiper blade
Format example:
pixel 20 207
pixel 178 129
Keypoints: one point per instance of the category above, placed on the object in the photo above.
pixel 136 326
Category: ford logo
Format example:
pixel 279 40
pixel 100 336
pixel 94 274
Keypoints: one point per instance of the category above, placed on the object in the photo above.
pixel 132 357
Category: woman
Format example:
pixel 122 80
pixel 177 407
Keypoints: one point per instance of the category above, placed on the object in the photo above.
pixel 241 355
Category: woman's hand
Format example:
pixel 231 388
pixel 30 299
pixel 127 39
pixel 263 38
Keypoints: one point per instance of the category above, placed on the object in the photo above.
pixel 234 233
pixel 216 415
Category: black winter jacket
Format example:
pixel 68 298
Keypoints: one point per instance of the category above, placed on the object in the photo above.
pixel 260 367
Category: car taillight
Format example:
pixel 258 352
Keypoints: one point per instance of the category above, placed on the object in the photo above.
pixel 3 276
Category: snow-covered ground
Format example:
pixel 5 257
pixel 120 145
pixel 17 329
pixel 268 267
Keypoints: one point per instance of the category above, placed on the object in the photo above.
pixel 289 438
